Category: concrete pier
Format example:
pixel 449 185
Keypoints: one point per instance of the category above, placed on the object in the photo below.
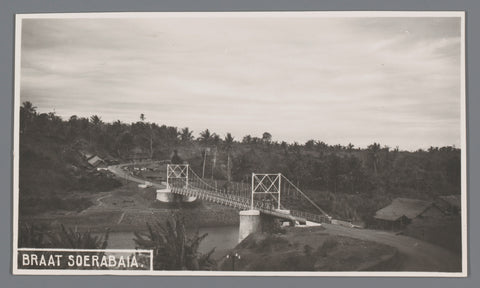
pixel 189 198
pixel 250 222
pixel 165 195
pixel 283 211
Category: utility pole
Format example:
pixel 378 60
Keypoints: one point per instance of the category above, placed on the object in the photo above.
pixel 204 161
pixel 214 160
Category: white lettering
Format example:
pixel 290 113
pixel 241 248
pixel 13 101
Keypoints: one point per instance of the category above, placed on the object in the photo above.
pixel 86 260
pixel 134 262
pixel 79 261
pixel 43 262
pixel 82 260
pixel 104 261
pixel 71 260
pixel 121 262
pixel 51 261
pixel 111 261
pixel 25 259
pixel 34 258
pixel 58 259
pixel 95 261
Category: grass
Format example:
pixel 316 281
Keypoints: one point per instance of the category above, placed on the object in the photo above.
pixel 138 205
pixel 308 249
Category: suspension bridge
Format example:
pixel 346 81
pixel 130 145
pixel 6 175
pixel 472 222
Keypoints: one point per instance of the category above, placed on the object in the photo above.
pixel 266 194
pixel 271 194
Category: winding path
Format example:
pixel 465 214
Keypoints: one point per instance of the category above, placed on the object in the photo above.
pixel 417 255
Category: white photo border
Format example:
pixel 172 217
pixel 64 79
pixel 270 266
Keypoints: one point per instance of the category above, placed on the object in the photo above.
pixel 277 14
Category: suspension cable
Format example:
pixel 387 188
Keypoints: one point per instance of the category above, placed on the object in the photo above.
pixel 306 197
pixel 201 180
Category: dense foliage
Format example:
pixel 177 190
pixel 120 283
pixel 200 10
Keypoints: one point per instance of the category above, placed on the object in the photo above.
pixel 172 248
pixel 346 181
pixel 33 236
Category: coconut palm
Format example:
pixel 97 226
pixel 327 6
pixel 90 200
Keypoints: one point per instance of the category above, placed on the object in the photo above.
pixel 205 136
pixel 27 113
pixel 186 135
pixel 172 248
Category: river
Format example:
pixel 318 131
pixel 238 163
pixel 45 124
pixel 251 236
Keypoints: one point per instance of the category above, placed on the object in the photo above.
pixel 221 238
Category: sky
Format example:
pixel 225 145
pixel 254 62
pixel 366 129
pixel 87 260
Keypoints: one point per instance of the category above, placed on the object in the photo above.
pixel 394 81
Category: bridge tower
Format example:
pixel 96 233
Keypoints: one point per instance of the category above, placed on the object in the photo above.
pixel 175 173
pixel 266 184
pixel 262 185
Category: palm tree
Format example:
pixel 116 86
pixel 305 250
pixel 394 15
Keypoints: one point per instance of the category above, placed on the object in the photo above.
pixel 205 136
pixel 97 124
pixel 96 120
pixel 27 112
pixel 71 238
pixel 228 142
pixel 186 135
pixel 350 147
pixel 172 248
pixel 28 107
pixel 373 152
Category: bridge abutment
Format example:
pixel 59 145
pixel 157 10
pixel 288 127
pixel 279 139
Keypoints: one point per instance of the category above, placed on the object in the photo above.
pixel 165 195
pixel 250 222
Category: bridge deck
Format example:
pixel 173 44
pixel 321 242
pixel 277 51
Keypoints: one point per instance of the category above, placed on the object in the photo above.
pixel 243 203
pixel 234 201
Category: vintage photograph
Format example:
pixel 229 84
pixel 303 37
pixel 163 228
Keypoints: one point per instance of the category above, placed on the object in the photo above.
pixel 240 143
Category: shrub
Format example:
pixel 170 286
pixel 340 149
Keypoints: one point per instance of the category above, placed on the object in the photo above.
pixel 31 236
pixel 172 248
pixel 71 238
pixel 271 242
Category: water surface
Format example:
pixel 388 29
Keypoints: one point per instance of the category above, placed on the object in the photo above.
pixel 221 238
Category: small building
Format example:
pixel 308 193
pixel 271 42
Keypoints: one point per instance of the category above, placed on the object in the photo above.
pixel 403 210
pixel 95 161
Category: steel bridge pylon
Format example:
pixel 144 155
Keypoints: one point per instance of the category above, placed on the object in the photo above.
pixel 266 184
pixel 177 171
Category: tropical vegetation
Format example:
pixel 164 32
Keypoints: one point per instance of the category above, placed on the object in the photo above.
pixel 348 182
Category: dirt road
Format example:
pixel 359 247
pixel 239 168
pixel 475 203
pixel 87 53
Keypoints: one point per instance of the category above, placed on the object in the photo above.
pixel 416 255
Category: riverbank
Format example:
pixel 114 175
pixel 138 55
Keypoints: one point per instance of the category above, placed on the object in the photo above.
pixel 128 208
pixel 336 248
pixel 310 249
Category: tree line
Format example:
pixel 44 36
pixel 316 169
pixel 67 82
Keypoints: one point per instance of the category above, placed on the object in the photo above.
pixel 328 171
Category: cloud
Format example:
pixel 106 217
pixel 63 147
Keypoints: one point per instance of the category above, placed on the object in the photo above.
pixel 339 80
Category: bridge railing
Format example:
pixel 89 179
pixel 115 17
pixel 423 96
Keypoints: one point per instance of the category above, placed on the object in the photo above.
pixel 201 188
pixel 311 217
pixel 244 203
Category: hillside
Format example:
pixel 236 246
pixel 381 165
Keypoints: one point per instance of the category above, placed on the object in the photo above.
pixel 348 182
pixel 336 248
